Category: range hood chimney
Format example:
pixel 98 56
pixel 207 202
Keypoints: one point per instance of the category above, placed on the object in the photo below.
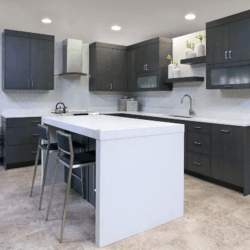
pixel 75 57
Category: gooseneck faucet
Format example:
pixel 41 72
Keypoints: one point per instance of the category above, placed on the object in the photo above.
pixel 191 112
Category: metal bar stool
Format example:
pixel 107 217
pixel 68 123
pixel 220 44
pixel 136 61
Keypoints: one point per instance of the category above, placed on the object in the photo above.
pixel 70 160
pixel 48 147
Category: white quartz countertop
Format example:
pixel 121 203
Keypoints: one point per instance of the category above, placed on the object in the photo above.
pixel 242 120
pixel 103 127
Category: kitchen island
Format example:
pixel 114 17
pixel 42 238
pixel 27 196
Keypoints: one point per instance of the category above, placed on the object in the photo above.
pixel 139 172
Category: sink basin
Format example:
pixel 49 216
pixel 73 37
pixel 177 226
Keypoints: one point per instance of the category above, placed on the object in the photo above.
pixel 181 116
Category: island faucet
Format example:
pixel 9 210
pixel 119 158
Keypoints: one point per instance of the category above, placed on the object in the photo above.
pixel 191 112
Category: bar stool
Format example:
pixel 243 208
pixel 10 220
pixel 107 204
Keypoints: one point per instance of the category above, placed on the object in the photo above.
pixel 70 160
pixel 44 134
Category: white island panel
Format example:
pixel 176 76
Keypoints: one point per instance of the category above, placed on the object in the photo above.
pixel 140 185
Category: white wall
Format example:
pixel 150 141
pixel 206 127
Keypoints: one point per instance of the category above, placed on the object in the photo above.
pixel 205 100
pixel 73 91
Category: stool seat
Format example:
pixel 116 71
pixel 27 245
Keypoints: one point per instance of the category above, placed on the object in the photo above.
pixel 79 158
pixel 54 146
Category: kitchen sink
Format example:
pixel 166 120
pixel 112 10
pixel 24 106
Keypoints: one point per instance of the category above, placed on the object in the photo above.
pixel 181 116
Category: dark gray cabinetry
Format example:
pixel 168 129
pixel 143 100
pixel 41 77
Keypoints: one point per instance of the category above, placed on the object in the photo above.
pixel 20 139
pixel 147 58
pixel 131 71
pixel 227 156
pixel 217 44
pixel 228 52
pixel 148 65
pixel 27 61
pixel 108 67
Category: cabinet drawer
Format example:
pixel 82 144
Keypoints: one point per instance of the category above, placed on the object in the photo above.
pixel 199 163
pixel 199 143
pixel 22 135
pixel 23 122
pixel 20 153
pixel 199 127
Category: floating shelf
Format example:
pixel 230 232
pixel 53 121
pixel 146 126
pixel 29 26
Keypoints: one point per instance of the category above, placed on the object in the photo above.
pixel 195 60
pixel 186 79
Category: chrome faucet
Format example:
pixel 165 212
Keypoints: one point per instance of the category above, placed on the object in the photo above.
pixel 191 112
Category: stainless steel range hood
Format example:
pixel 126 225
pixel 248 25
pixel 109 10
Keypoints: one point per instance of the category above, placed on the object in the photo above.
pixel 75 57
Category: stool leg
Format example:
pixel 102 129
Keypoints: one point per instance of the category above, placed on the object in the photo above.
pixel 66 202
pixel 53 184
pixel 36 162
pixel 82 182
pixel 44 176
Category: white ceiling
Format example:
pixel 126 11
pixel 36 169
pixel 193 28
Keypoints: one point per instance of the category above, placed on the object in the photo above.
pixel 91 20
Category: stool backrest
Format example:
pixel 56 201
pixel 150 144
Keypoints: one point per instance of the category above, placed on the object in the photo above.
pixel 64 142
pixel 43 132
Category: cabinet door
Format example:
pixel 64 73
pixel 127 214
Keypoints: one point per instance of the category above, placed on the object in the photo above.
pixel 152 57
pixel 238 39
pixel 227 154
pixel 104 72
pixel 42 64
pixel 17 63
pixel 120 65
pixel 132 85
pixel 217 44
pixel 140 59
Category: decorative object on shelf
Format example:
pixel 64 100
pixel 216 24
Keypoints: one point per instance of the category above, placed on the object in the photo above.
pixel 177 72
pixel 170 68
pixel 188 51
pixel 201 47
pixel 193 54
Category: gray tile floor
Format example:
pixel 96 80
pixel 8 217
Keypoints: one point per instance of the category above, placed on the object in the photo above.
pixel 215 218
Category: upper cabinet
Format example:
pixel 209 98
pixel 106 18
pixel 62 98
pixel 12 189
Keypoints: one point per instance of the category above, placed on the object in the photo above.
pixel 107 67
pixel 139 67
pixel 27 60
pixel 148 65
pixel 228 52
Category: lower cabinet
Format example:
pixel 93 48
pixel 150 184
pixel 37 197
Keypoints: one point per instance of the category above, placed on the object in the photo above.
pixel 20 141
pixel 199 163
pixel 227 154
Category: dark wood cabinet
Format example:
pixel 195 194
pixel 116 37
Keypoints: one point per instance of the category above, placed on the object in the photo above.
pixel 227 154
pixel 228 52
pixel 27 61
pixel 108 67
pixel 20 140
pixel 42 64
pixel 217 44
pixel 131 71
pixel 148 70
pixel 147 58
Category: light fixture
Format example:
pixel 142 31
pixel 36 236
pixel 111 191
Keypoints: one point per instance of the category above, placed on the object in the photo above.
pixel 115 27
pixel 190 16
pixel 46 20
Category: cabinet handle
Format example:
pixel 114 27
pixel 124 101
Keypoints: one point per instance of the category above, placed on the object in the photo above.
pixel 230 54
pixel 35 134
pixel 227 86
pixel 34 152
pixel 111 86
pixel 197 143
pixel 226 54
pixel 36 121
pixel 146 67
pixel 225 131
pixel 197 127
pixel 197 163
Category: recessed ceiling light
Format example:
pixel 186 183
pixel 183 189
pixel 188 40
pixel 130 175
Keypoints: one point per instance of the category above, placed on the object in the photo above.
pixel 46 20
pixel 115 27
pixel 190 16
